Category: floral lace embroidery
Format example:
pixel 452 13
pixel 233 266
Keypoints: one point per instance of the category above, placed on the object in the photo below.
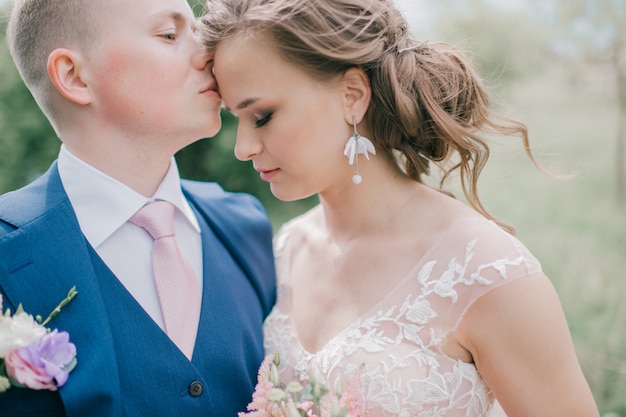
pixel 396 349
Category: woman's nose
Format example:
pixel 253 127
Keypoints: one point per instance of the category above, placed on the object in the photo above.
pixel 247 146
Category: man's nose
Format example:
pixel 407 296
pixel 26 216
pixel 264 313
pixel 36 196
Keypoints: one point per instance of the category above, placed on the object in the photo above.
pixel 202 59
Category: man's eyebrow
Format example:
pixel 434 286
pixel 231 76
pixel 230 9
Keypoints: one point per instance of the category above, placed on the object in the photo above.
pixel 177 17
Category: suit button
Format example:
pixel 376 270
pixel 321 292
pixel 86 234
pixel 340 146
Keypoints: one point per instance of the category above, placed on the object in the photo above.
pixel 196 388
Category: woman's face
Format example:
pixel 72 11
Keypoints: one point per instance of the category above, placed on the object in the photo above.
pixel 291 125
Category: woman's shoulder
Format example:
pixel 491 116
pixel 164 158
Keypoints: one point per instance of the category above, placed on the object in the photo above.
pixel 485 240
pixel 457 225
pixel 474 257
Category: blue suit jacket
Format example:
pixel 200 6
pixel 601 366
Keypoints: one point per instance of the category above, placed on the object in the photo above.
pixel 126 364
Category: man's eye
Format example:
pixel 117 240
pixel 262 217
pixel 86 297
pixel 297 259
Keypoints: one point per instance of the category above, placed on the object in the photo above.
pixel 263 120
pixel 169 36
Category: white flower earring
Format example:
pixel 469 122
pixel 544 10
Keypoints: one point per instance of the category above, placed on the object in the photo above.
pixel 356 145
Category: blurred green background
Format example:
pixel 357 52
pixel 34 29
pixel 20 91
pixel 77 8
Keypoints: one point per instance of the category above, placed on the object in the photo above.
pixel 557 65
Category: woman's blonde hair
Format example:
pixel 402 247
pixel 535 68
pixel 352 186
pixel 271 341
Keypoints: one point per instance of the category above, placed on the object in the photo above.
pixel 428 103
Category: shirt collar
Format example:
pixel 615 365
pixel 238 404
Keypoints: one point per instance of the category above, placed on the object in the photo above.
pixel 102 204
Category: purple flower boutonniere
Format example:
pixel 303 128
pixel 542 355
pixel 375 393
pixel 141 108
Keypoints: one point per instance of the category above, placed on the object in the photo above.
pixel 32 355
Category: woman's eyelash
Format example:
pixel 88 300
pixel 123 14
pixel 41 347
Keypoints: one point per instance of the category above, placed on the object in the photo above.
pixel 263 120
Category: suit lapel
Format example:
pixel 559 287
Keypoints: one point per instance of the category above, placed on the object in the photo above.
pixel 216 293
pixel 39 262
pixel 241 239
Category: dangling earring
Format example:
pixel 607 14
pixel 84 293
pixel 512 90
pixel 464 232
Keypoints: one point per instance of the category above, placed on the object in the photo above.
pixel 356 145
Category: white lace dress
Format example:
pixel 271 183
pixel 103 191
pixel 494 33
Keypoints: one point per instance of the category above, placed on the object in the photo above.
pixel 395 347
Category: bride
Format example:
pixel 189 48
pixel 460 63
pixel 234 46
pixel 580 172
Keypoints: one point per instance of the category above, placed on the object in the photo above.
pixel 431 305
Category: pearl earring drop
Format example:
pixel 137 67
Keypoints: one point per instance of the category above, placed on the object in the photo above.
pixel 356 145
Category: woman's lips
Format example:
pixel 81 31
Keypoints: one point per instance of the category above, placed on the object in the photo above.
pixel 267 175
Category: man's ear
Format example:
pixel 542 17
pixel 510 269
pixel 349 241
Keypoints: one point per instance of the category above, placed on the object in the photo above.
pixel 64 71
pixel 357 94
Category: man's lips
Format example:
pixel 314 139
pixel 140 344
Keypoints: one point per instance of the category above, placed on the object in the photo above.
pixel 211 90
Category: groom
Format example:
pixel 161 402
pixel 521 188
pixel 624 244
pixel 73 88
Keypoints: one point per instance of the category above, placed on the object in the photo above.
pixel 126 85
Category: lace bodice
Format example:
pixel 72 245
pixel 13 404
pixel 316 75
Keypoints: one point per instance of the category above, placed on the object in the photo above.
pixel 394 349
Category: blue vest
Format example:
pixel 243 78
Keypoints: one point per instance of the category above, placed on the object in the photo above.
pixel 127 366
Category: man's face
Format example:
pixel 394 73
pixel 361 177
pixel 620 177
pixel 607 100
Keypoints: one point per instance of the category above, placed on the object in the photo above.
pixel 150 76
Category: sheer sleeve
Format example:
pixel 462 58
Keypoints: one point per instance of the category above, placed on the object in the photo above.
pixel 475 257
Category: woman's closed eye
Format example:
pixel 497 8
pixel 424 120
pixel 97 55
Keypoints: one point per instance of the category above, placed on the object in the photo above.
pixel 266 117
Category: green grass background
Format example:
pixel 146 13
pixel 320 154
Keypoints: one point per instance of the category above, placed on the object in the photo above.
pixel 576 227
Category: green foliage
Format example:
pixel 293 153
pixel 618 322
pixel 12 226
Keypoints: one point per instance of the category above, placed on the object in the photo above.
pixel 197 6
pixel 27 140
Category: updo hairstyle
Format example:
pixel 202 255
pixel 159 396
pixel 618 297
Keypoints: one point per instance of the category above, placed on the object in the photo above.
pixel 428 107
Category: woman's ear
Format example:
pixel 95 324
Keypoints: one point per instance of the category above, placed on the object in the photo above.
pixel 64 72
pixel 357 94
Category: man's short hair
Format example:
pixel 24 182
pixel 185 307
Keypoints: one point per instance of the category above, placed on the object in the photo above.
pixel 37 27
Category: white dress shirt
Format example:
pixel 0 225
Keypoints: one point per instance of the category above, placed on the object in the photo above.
pixel 103 206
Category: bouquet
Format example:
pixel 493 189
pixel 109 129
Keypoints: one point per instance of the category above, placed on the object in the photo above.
pixel 271 398
pixel 31 355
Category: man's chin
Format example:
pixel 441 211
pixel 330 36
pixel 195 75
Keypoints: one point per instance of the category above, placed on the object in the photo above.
pixel 213 128
pixel 213 132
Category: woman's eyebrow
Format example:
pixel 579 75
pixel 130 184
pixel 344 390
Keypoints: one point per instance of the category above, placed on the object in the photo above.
pixel 243 104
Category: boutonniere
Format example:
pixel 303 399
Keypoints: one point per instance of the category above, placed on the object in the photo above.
pixel 32 355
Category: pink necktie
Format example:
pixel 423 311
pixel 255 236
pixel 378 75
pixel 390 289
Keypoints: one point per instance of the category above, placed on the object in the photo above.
pixel 177 287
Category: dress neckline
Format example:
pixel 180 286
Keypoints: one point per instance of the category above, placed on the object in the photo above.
pixel 370 311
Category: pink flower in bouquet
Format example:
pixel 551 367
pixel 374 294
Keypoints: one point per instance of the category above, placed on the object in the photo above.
pixel 25 373
pixel 350 399
pixel 272 398
pixel 44 364
pixel 261 405
pixel 31 355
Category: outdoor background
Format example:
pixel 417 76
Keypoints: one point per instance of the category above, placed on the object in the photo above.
pixel 557 65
